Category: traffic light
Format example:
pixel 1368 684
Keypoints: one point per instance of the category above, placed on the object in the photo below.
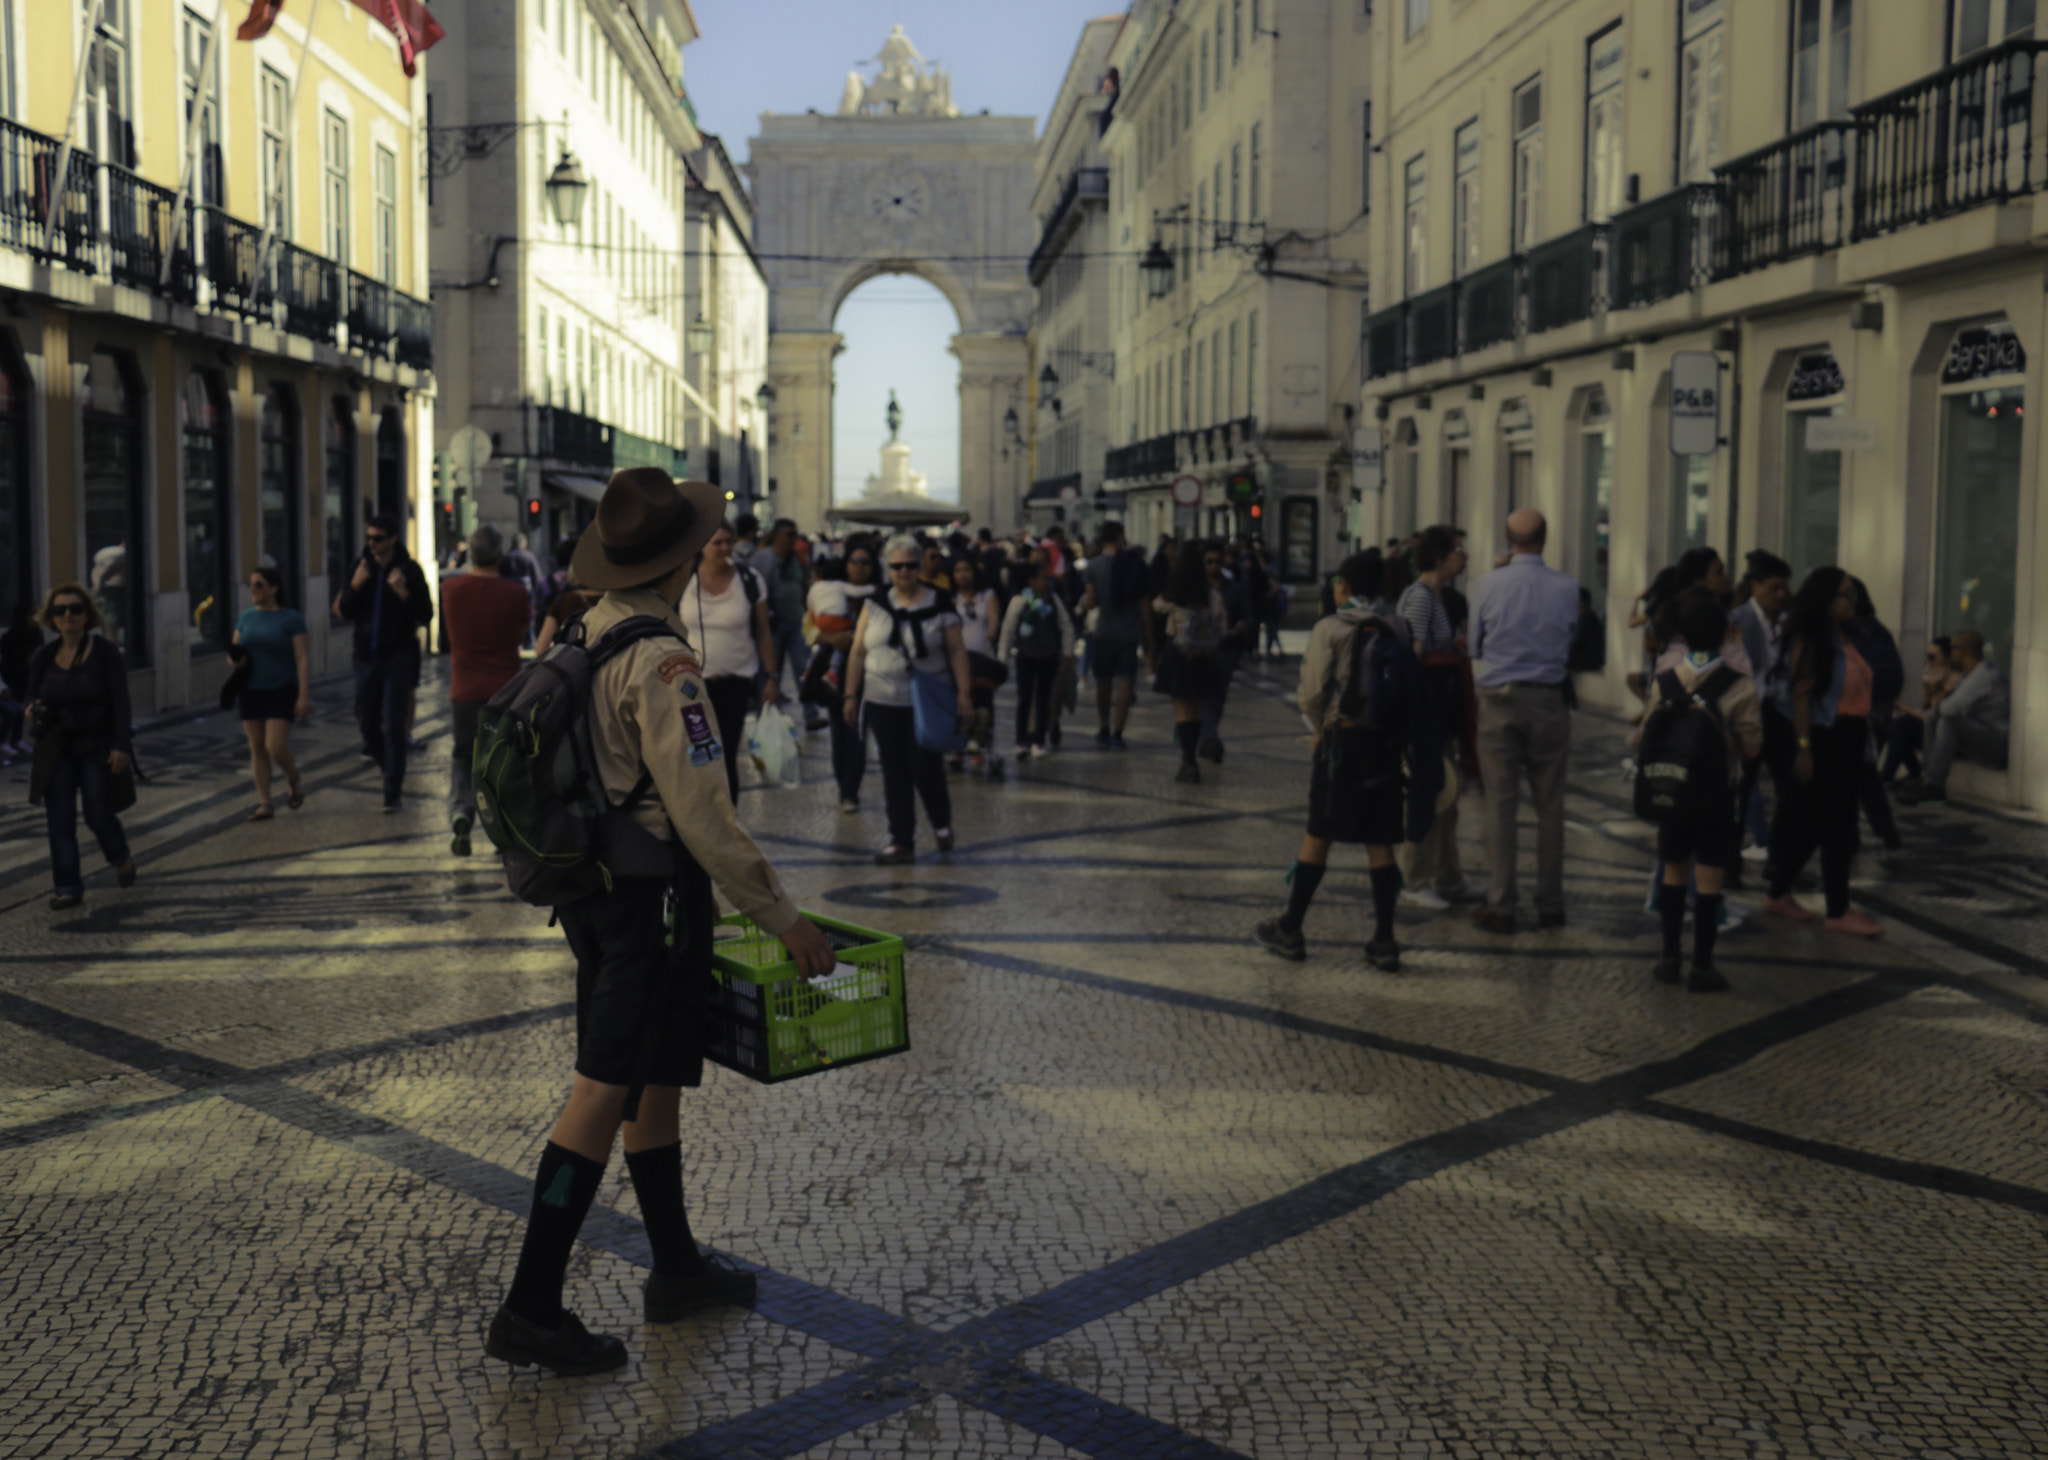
pixel 444 477
pixel 532 517
pixel 1258 511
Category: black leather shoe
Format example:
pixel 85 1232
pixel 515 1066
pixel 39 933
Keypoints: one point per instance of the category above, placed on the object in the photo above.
pixel 714 1285
pixel 895 856
pixel 1278 941
pixel 1384 954
pixel 64 900
pixel 124 875
pixel 568 1348
pixel 1494 920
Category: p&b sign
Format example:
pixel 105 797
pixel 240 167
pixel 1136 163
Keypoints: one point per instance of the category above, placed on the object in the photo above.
pixel 1695 403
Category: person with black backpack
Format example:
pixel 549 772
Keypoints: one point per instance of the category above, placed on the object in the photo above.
pixel 1363 694
pixel 1190 620
pixel 1703 726
pixel 599 778
pixel 1041 632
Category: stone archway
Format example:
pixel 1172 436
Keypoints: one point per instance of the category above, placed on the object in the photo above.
pixel 897 183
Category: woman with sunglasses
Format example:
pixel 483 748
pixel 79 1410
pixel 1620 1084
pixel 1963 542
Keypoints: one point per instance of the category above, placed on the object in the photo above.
pixel 273 638
pixel 911 629
pixel 835 603
pixel 78 702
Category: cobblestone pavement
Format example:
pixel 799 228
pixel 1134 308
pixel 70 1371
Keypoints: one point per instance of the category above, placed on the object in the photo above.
pixel 268 1122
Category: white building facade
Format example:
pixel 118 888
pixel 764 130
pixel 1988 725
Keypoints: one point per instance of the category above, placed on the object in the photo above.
pixel 728 414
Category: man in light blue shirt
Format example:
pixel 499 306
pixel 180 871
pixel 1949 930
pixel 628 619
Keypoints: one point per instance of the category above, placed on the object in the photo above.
pixel 1523 618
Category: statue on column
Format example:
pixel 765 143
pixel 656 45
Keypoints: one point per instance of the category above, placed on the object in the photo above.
pixel 895 417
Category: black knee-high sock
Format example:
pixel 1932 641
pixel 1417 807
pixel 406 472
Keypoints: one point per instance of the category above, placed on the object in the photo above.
pixel 1386 892
pixel 1671 909
pixel 658 1183
pixel 563 1190
pixel 1189 734
pixel 1301 891
pixel 1706 924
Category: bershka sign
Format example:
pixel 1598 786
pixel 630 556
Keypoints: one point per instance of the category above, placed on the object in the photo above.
pixel 1695 403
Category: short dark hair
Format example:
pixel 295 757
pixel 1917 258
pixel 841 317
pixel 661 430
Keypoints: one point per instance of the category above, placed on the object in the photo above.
pixel 382 522
pixel 746 523
pixel 1111 530
pixel 1701 621
pixel 1762 565
pixel 1362 573
pixel 1434 545
pixel 782 522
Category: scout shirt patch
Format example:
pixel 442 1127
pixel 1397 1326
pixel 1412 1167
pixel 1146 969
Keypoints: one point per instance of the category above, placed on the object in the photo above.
pixel 674 665
pixel 689 689
pixel 698 723
pixel 705 754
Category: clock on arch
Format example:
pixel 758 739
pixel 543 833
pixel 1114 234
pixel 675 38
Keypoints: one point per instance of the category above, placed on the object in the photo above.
pixel 898 195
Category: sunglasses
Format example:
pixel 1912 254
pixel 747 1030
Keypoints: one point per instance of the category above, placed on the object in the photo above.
pixel 65 610
pixel 903 567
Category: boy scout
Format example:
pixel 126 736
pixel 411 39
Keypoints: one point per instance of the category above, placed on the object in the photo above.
pixel 643 948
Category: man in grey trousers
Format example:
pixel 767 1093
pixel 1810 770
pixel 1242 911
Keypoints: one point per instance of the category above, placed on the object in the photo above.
pixel 1523 616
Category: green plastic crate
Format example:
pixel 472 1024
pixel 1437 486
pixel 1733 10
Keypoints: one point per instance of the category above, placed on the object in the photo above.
pixel 770 1025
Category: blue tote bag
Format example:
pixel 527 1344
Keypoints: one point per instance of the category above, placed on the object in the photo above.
pixel 936 709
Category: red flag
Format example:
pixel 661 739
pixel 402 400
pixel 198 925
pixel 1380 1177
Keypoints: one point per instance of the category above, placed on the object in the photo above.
pixel 410 21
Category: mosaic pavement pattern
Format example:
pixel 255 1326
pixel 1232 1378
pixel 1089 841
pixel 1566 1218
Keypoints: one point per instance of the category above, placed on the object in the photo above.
pixel 268 1119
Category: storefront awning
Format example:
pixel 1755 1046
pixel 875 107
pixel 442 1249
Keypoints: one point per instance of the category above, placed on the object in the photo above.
pixel 590 489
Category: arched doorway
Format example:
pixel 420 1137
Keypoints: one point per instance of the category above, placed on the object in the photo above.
pixel 898 332
pixel 115 512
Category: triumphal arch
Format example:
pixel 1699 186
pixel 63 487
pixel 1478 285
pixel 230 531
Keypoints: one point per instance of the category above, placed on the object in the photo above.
pixel 897 182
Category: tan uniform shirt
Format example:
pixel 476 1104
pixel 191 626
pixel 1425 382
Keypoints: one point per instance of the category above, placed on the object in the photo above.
pixel 1742 721
pixel 650 710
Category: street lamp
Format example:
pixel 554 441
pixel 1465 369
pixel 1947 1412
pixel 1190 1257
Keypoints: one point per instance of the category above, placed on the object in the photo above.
pixel 1158 267
pixel 699 335
pixel 566 188
pixel 1048 381
pixel 765 395
pixel 1010 423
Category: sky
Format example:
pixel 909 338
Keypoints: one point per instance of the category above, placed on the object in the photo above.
pixel 792 55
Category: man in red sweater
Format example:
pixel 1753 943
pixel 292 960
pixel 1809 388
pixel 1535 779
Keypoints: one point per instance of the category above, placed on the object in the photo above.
pixel 486 615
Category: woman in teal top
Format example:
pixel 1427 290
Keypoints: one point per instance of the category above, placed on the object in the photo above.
pixel 273 639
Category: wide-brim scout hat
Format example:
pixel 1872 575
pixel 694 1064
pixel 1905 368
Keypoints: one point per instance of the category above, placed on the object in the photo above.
pixel 648 524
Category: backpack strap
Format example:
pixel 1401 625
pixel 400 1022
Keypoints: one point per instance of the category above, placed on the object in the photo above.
pixel 1671 689
pixel 1715 685
pixel 750 585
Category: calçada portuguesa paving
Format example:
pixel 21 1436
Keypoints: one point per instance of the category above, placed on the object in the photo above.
pixel 268 1122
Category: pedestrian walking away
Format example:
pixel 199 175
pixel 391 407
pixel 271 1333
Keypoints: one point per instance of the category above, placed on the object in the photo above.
pixel 642 940
pixel 727 615
pixel 790 590
pixel 1240 635
pixel 485 614
pixel 272 639
pixel 386 599
pixel 1040 632
pixel 1431 874
pixel 1189 619
pixel 834 606
pixel 1119 596
pixel 79 714
pixel 906 631
pixel 1523 617
pixel 1363 696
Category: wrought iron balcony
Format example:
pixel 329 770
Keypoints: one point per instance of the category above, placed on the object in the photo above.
pixel 1386 342
pixel 412 328
pixel 309 288
pixel 631 450
pixel 1083 182
pixel 1565 278
pixel 1153 457
pixel 1786 200
pixel 1970 134
pixel 1661 249
pixel 370 325
pixel 1487 313
pixel 1433 326
pixel 568 436
pixel 140 217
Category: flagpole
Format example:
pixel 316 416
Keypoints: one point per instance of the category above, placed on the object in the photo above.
pixel 291 137
pixel 192 135
pixel 92 29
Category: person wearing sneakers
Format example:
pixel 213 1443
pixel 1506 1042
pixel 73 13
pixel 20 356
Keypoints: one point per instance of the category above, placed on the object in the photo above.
pixel 1363 694
pixel 487 615
pixel 1824 689
pixel 1712 838
pixel 1039 629
pixel 643 945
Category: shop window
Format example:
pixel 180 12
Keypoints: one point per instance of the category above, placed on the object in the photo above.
pixel 1813 477
pixel 209 519
pixel 114 507
pixel 279 534
pixel 1298 539
pixel 1977 512
pixel 1596 494
pixel 17 514
pixel 339 519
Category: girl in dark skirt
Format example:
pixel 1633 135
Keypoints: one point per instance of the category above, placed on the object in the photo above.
pixel 1189 619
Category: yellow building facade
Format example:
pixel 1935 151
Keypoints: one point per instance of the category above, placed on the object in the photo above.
pixel 215 350
pixel 1800 242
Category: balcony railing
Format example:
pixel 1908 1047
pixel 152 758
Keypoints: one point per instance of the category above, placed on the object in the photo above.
pixel 631 450
pixel 1786 200
pixel 1661 249
pixel 114 224
pixel 1386 342
pixel 1564 278
pixel 1433 326
pixel 568 436
pixel 1153 457
pixel 1084 182
pixel 1486 305
pixel 1970 134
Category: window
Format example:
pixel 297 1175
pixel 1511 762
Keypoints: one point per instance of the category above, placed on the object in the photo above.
pixel 1251 364
pixel 1980 23
pixel 1821 32
pixel 1365 165
pixel 277 494
pixel 1236 171
pixel 1414 241
pixel 1236 31
pixel 1701 77
pixel 1219 48
pixel 1201 374
pixel 339 518
pixel 1251 191
pixel 384 181
pixel 1417 15
pixel 1606 70
pixel 1217 194
pixel 1465 200
pixel 1202 239
pixel 109 116
pixel 209 537
pixel 7 102
pixel 275 159
pixel 1692 500
pixel 334 189
pixel 1528 181
pixel 1216 403
pixel 1977 515
pixel 114 507
pixel 1204 72
pixel 1230 381
pixel 1813 476
pixel 561 376
pixel 205 167
pixel 1186 386
pixel 391 496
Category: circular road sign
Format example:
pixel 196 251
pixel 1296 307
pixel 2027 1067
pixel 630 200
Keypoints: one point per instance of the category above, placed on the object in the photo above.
pixel 1187 491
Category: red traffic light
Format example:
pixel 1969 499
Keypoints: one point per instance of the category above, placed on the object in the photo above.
pixel 1258 511
pixel 533 513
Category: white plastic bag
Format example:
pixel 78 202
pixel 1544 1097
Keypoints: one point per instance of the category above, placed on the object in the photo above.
pixel 774 747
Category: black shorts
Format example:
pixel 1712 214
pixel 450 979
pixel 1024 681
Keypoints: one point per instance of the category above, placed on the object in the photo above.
pixel 1356 790
pixel 269 704
pixel 1112 657
pixel 641 1011
pixel 1716 842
